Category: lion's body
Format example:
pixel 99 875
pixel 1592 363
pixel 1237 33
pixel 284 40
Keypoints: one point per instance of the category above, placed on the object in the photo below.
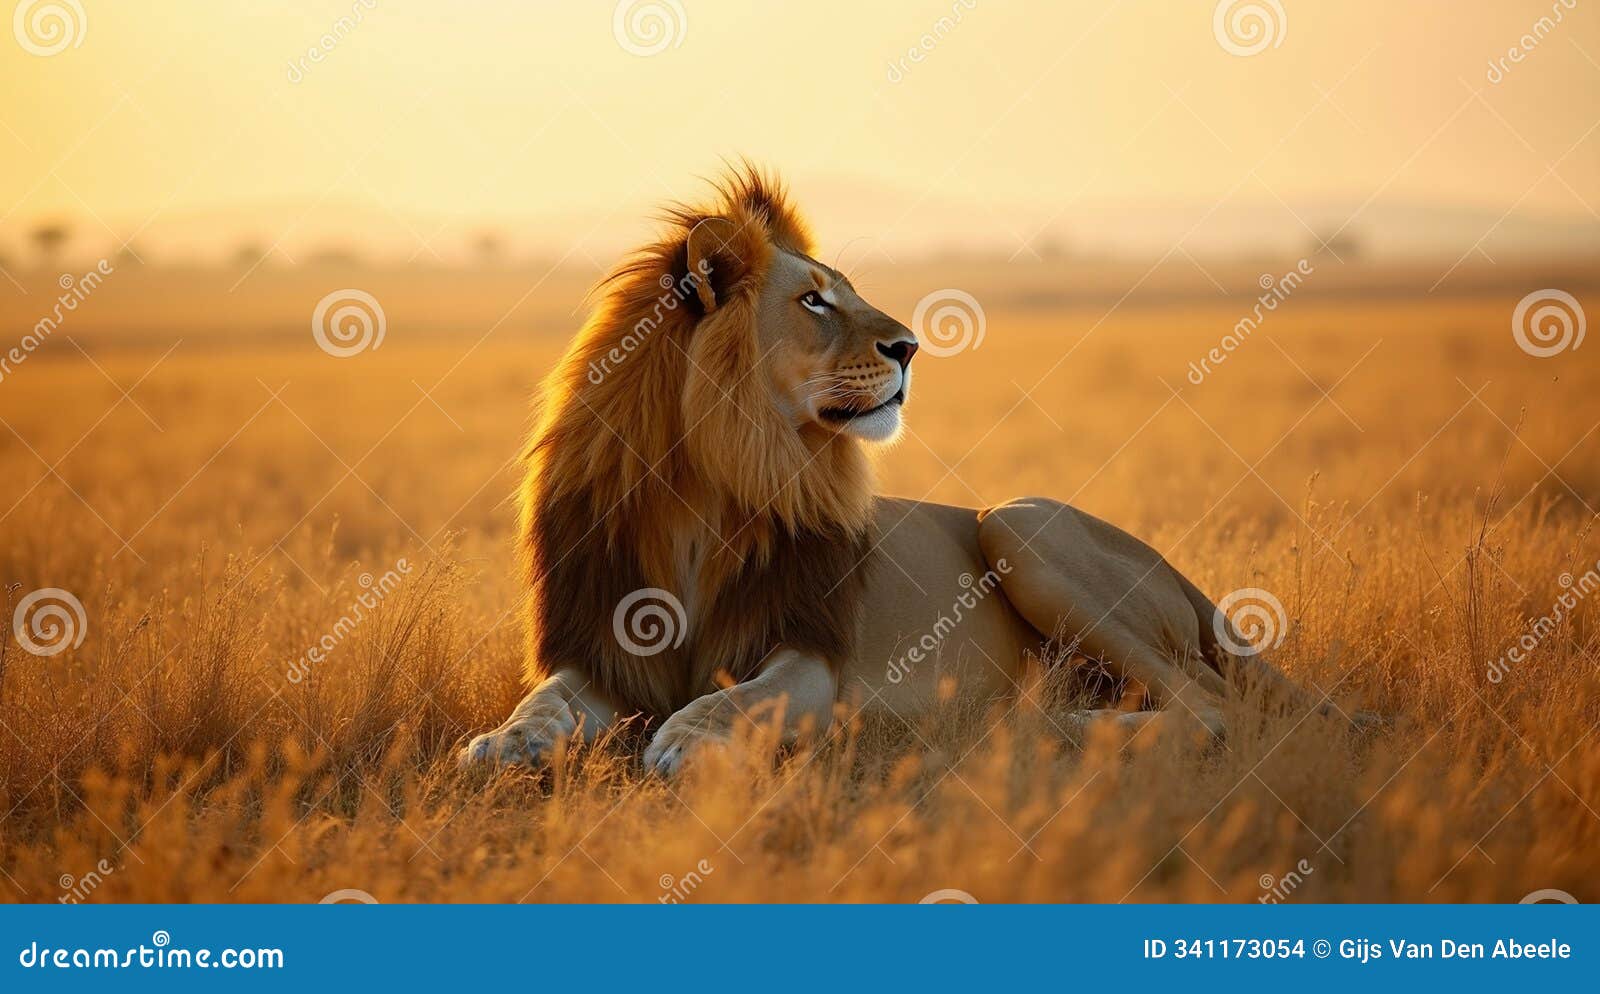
pixel 933 609
pixel 701 443
pixel 963 596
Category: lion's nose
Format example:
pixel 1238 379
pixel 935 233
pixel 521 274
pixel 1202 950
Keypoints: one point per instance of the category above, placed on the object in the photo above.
pixel 899 351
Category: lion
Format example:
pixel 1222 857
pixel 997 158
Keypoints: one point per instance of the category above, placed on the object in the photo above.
pixel 701 540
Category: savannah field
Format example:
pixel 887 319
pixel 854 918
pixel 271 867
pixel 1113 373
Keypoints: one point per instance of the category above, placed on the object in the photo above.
pixel 218 492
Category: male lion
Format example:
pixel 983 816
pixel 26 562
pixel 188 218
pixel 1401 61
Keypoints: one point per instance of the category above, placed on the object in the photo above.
pixel 701 541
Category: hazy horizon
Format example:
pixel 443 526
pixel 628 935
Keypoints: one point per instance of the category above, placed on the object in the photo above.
pixel 1108 129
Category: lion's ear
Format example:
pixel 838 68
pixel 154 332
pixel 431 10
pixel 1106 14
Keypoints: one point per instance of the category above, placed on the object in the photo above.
pixel 713 258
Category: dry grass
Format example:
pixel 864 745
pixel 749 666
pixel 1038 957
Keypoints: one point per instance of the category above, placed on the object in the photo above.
pixel 171 750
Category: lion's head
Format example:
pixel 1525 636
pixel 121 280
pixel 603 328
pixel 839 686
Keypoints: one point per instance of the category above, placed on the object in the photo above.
pixel 833 362
pixel 704 435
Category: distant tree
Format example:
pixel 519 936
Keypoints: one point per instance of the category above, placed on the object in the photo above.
pixel 1344 244
pixel 488 248
pixel 1053 246
pixel 248 254
pixel 48 238
pixel 335 257
pixel 130 254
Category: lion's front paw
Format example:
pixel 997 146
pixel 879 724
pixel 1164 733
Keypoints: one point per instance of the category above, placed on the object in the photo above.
pixel 699 725
pixel 524 740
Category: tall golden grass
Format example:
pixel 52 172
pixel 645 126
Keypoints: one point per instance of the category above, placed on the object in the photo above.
pixel 1412 521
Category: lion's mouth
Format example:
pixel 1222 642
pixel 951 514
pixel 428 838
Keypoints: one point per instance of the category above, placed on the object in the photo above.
pixel 841 415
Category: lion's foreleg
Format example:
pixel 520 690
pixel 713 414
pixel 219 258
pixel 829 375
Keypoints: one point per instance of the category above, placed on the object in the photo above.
pixel 565 706
pixel 792 689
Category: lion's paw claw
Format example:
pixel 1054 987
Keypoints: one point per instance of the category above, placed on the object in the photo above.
pixel 529 741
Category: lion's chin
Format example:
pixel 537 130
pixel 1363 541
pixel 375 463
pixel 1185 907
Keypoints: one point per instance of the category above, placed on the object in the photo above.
pixel 882 424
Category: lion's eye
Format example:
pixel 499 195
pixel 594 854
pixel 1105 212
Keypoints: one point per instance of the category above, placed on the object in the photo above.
pixel 812 301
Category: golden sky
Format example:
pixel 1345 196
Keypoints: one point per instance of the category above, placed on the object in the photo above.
pixel 422 125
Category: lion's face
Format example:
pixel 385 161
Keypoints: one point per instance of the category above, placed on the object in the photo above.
pixel 834 361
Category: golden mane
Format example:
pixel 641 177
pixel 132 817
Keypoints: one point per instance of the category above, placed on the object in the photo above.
pixel 657 424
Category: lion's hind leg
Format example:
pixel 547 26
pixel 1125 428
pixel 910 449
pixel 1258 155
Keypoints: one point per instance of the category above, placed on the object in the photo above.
pixel 1074 576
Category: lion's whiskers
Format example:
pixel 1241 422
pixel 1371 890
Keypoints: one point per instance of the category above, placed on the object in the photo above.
pixel 833 388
